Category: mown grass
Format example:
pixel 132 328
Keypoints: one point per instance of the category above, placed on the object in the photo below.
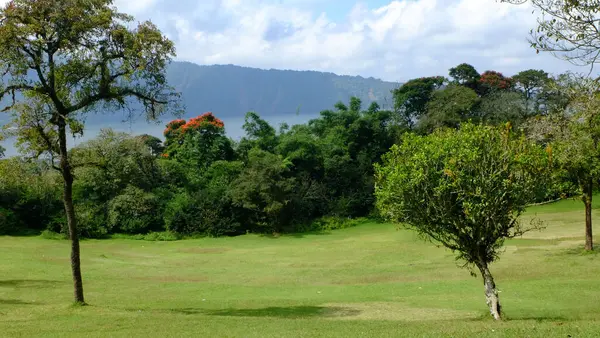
pixel 368 281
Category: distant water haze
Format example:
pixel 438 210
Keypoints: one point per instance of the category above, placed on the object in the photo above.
pixel 233 128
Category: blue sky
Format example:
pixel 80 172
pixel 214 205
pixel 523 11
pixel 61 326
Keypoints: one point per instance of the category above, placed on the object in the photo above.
pixel 392 40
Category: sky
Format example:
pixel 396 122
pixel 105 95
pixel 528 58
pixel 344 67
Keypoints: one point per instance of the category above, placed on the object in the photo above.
pixel 390 40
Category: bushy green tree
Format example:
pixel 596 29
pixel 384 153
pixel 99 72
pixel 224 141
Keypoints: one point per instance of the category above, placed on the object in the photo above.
pixel 198 142
pixel 410 100
pixel 503 106
pixel 449 107
pixel 464 189
pixel 264 188
pixel 134 211
pixel 32 194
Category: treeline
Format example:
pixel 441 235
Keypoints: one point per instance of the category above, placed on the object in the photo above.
pixel 314 176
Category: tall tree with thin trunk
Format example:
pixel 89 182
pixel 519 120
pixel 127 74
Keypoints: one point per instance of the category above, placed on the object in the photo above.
pixel 464 189
pixel 61 59
pixel 574 135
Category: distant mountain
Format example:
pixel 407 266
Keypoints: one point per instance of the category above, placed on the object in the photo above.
pixel 229 90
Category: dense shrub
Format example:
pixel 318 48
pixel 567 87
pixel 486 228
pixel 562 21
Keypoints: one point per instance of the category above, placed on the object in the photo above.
pixel 91 221
pixel 204 213
pixel 8 221
pixel 134 211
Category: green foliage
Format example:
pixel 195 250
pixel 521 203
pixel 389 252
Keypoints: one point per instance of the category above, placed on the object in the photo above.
pixel 504 106
pixel 464 75
pixel 31 192
pixel 8 221
pixel 263 188
pixel 449 107
pixel 134 211
pixel 203 213
pixel 163 236
pixel 91 220
pixel 462 188
pixel 49 234
pixel 328 223
pixel 198 142
pixel 410 100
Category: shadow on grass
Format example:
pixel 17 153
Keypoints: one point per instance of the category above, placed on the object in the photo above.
pixel 17 302
pixel 278 312
pixel 28 283
pixel 296 235
pixel 579 251
pixel 539 319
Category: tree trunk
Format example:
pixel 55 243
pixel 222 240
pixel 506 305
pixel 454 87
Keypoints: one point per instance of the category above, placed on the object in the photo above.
pixel 588 191
pixel 67 174
pixel 491 294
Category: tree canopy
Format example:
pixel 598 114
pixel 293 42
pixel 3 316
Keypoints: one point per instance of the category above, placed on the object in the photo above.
pixel 464 189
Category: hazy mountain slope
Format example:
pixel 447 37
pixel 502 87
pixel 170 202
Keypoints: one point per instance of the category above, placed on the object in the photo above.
pixel 232 90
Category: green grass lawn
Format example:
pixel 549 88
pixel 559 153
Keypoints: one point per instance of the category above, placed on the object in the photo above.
pixel 368 281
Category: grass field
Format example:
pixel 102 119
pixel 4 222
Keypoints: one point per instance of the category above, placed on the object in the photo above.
pixel 367 281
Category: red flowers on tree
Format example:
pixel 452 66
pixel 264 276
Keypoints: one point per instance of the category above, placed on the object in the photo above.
pixel 180 127
pixel 176 130
pixel 495 80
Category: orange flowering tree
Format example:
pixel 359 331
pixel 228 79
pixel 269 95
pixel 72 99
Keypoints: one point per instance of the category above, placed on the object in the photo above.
pixel 492 80
pixel 199 141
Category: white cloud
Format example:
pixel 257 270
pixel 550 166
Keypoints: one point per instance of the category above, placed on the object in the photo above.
pixel 396 41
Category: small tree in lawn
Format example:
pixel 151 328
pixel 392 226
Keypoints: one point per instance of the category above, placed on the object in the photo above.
pixel 464 189
pixel 66 58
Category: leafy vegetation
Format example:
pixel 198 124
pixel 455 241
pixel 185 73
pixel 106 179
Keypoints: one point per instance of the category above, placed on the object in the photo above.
pixel 464 189
pixel 458 160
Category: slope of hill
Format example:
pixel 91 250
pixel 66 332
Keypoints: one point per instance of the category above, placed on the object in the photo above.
pixel 230 90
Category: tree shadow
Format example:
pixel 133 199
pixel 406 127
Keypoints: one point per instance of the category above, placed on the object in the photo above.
pixel 278 312
pixel 29 283
pixel 296 235
pixel 17 302
pixel 579 251
pixel 539 319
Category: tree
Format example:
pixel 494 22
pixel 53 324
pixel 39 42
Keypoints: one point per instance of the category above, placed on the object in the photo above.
pixel 70 57
pixel 410 100
pixel 264 188
pixel 464 189
pixel 2 150
pixel 465 75
pixel 259 133
pixel 449 107
pixel 153 143
pixel 492 81
pixel 532 83
pixel 567 28
pixel 574 136
pixel 503 106
pixel 199 142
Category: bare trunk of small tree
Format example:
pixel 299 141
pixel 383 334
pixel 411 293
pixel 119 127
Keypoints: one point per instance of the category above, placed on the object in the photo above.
pixel 588 190
pixel 491 294
pixel 67 174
